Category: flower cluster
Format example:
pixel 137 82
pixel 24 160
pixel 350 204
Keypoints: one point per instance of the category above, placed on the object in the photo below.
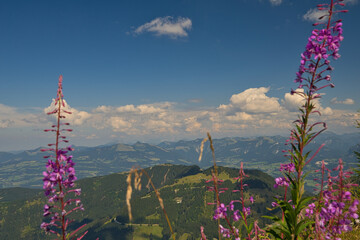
pixel 227 233
pixel 281 181
pixel 313 71
pixel 290 167
pixel 336 207
pixel 314 67
pixel 322 44
pixel 220 212
pixel 310 210
pixel 62 171
pixel 228 212
pixel 59 177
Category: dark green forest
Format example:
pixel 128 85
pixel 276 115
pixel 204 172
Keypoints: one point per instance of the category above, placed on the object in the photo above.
pixel 182 188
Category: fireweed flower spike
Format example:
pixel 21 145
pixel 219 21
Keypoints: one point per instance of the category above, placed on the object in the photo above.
pixel 313 75
pixel 59 178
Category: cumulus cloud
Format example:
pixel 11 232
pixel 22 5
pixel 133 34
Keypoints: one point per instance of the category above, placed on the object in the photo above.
pixel 327 111
pixel 275 2
pixel 252 112
pixel 247 113
pixel 119 124
pixel 156 126
pixel 11 117
pixel 240 116
pixel 144 108
pixel 313 15
pixel 168 26
pixel 293 102
pixel 341 120
pixel 137 119
pixel 347 101
pixel 192 124
pixel 76 117
pixel 102 109
pixel 126 108
pixel 252 100
pixel 5 123
pixel 5 112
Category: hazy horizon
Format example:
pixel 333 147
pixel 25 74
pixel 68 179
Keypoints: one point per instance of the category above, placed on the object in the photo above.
pixel 161 141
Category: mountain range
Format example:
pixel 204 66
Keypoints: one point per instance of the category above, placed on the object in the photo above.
pixel 24 169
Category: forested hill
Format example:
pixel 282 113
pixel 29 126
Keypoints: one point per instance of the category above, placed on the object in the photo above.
pixel 181 187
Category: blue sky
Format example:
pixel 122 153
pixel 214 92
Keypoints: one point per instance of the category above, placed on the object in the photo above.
pixel 164 70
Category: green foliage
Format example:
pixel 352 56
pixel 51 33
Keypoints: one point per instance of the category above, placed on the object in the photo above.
pixel 17 193
pixel 292 226
pixel 106 214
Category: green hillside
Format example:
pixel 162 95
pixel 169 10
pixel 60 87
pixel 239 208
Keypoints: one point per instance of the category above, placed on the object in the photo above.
pixel 181 187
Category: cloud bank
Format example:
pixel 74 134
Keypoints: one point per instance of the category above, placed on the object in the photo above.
pixel 347 101
pixel 248 113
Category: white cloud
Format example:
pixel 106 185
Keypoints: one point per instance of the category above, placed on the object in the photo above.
pixel 137 120
pixel 11 117
pixel 313 15
pixel 126 108
pixel 341 120
pixel 347 101
pixel 248 113
pixel 102 108
pixel 327 111
pixel 156 126
pixel 119 124
pixel 294 101
pixel 5 123
pixel 5 112
pixel 167 26
pixel 75 118
pixel 240 116
pixel 144 108
pixel 147 109
pixel 275 2
pixel 192 124
pixel 79 117
pixel 252 100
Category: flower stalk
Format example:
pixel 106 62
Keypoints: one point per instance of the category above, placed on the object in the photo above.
pixel 59 177
pixel 322 44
